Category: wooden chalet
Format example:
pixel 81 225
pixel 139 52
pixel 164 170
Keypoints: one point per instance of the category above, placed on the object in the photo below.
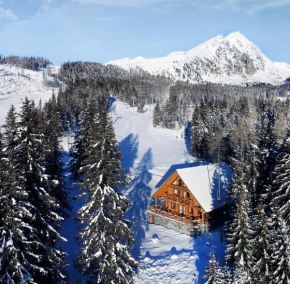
pixel 190 198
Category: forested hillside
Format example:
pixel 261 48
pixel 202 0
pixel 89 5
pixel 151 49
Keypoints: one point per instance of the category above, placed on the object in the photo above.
pixel 24 62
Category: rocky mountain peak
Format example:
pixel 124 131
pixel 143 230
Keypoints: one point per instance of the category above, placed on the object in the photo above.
pixel 232 59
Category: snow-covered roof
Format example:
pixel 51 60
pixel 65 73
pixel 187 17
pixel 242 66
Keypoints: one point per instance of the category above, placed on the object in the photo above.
pixel 203 183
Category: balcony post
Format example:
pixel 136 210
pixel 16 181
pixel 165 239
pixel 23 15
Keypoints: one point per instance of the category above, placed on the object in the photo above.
pixel 202 217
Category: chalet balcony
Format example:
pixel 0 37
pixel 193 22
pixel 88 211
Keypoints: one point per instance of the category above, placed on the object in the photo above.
pixel 179 217
pixel 191 226
pixel 179 199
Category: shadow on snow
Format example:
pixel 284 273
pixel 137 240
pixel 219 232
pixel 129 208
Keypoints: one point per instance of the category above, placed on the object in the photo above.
pixel 139 193
pixel 129 149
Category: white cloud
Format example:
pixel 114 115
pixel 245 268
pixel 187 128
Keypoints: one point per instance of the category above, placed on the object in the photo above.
pixel 7 14
pixel 248 6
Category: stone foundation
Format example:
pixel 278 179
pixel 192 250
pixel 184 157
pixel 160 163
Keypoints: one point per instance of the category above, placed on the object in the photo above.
pixel 188 229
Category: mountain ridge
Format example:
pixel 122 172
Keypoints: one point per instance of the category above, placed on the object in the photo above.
pixel 232 59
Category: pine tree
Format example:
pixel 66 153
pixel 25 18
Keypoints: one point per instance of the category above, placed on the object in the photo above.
pixel 240 275
pixel 281 195
pixel 197 134
pixel 10 137
pixel 280 258
pixel 239 245
pixel 170 111
pixel 206 128
pixel 77 151
pixel 261 249
pixel 29 222
pixel 106 237
pixel 253 172
pixel 215 274
pixel 13 226
pixel 267 156
pixel 54 166
pixel 157 115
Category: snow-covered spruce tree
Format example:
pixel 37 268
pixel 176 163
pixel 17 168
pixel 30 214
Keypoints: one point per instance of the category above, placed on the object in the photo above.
pixel 157 115
pixel 240 234
pixel 253 172
pixel 11 224
pixel 215 274
pixel 267 156
pixel 106 237
pixel 53 164
pixel 261 272
pixel 170 110
pixel 199 133
pixel 29 222
pixel 14 228
pixel 77 151
pixel 280 257
pixel 10 137
pixel 281 195
pixel 240 276
pixel 196 133
pixel 206 118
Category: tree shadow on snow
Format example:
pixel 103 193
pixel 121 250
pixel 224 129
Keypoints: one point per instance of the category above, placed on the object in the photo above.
pixel 187 140
pixel 129 149
pixel 139 194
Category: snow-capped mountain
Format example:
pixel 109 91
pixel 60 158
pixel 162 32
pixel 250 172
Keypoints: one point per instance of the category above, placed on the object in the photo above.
pixel 228 60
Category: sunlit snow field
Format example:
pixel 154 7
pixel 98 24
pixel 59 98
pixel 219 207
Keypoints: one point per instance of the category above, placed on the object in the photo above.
pixel 16 84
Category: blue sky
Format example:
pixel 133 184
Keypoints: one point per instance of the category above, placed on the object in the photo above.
pixel 99 30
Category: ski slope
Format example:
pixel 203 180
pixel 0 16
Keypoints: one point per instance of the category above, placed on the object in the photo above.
pixel 165 256
pixel 17 83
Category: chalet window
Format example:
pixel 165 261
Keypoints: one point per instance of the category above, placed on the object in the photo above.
pixel 186 195
pixel 172 205
pixel 182 210
pixel 190 210
pixel 177 181
pixel 176 191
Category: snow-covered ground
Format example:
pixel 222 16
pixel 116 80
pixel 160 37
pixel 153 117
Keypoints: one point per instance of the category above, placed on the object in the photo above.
pixel 16 84
pixel 166 256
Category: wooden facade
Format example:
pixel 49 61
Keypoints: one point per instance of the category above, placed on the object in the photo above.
pixel 192 199
pixel 175 198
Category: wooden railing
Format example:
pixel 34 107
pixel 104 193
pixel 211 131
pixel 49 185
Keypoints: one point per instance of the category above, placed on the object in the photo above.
pixel 160 210
pixel 179 199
